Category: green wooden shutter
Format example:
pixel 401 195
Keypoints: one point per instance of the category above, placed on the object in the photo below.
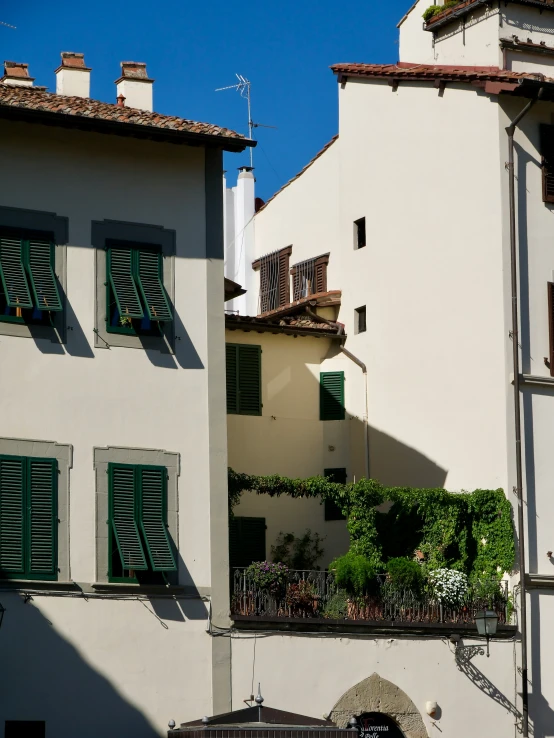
pixel 149 278
pixel 231 368
pixel 12 516
pixel 42 518
pixel 246 541
pixel 153 491
pixel 39 258
pixel 331 396
pixel 249 380
pixel 12 273
pixel 332 510
pixel 123 518
pixel 547 156
pixel 123 284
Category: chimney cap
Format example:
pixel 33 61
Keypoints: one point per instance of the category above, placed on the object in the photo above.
pixel 73 60
pixel 245 169
pixel 135 71
pixel 16 70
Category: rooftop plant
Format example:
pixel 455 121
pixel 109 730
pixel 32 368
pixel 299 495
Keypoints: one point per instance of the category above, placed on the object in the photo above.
pixel 434 10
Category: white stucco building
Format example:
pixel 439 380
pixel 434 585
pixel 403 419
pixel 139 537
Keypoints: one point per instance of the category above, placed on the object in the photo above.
pixel 410 205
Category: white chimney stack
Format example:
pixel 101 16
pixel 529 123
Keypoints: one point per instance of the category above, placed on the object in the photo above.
pixel 73 77
pixel 17 75
pixel 135 86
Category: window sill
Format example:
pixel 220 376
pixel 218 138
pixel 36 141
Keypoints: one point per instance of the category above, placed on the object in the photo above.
pixel 22 585
pixel 153 589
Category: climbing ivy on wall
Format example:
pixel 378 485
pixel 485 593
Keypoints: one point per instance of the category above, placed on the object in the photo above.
pixel 469 531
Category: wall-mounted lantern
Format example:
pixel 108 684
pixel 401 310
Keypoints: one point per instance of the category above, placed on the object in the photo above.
pixel 486 621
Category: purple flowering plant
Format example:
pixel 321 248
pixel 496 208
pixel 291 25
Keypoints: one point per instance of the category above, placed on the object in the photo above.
pixel 268 576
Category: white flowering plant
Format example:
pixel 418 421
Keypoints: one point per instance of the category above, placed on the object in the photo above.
pixel 448 586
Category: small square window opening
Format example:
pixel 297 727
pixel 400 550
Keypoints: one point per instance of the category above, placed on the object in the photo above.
pixel 360 319
pixel 359 233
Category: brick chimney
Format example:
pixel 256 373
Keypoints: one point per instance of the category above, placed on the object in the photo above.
pixel 135 86
pixel 16 74
pixel 72 76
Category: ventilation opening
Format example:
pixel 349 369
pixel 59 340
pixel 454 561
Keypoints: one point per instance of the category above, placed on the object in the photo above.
pixel 360 319
pixel 359 233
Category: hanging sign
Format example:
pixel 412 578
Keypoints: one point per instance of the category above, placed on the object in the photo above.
pixel 378 725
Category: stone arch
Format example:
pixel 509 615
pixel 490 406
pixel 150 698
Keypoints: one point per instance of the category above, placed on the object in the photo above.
pixel 376 694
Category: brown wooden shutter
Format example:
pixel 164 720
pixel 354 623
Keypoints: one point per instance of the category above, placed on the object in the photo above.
pixel 284 280
pixel 551 326
pixel 264 286
pixel 547 162
pixel 295 283
pixel 321 275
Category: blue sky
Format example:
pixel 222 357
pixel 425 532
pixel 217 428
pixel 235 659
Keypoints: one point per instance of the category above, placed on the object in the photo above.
pixel 284 48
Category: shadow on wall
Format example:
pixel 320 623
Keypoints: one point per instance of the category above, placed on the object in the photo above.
pixel 43 677
pixel 540 711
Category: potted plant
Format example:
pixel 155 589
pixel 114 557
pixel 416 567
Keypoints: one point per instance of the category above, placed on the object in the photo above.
pixel 356 575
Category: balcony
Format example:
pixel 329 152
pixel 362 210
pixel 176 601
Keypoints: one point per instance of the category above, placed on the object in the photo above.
pixel 311 600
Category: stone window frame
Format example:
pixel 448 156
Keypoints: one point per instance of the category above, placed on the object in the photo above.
pixel 63 453
pixel 104 455
pixel 132 233
pixel 58 226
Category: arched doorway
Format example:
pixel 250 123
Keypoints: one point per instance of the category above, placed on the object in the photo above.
pixel 374 724
pixel 375 695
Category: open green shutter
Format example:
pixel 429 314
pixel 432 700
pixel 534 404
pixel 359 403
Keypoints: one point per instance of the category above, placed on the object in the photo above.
pixel 42 518
pixel 331 396
pixel 246 541
pixel 39 258
pixel 120 274
pixel 231 377
pixel 12 516
pixel 121 478
pixel 153 518
pixel 151 285
pixel 249 380
pixel 12 273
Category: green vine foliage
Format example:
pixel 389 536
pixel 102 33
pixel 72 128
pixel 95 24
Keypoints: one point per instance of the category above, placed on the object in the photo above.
pixel 469 531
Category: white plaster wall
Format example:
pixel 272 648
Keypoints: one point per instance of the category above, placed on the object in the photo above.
pixel 414 44
pixel 91 397
pixel 309 673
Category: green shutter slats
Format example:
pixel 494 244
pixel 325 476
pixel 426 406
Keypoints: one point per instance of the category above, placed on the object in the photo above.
pixel 231 378
pixel 12 482
pixel 42 517
pixel 249 380
pixel 331 396
pixel 12 274
pixel 153 518
pixel 151 285
pixel 246 541
pixel 123 284
pixel 123 516
pixel 39 260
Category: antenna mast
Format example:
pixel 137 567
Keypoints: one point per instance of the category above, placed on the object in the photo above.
pixel 7 25
pixel 243 86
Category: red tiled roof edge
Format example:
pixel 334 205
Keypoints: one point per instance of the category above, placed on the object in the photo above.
pixel 322 299
pixel 35 100
pixel 296 176
pixel 469 5
pixel 422 72
pixel 292 324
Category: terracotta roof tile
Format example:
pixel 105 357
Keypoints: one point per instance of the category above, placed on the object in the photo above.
pixel 405 70
pixel 298 324
pixel 468 6
pixel 34 99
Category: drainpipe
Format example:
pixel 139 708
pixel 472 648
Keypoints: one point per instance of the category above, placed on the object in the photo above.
pixel 340 326
pixel 510 130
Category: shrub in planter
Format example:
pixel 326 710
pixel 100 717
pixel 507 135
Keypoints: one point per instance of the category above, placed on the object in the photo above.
pixel 337 607
pixel 268 576
pixel 301 597
pixel 354 573
pixel 448 586
pixel 488 590
pixel 404 574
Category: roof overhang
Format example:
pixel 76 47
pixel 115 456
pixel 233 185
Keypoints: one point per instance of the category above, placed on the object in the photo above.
pixel 232 289
pixel 469 6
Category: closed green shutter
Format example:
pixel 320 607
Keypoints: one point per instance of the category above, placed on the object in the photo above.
pixel 12 516
pixel 547 161
pixel 123 516
pixel 42 521
pixel 120 273
pixel 39 258
pixel 246 541
pixel 331 396
pixel 149 278
pixel 332 510
pixel 249 380
pixel 12 273
pixel 231 366
pixel 152 482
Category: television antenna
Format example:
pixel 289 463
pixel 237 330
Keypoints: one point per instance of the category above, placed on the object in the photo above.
pixel 8 25
pixel 244 87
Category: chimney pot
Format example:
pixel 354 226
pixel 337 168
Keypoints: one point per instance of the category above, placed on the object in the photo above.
pixel 135 85
pixel 73 76
pixel 16 74
pixel 121 101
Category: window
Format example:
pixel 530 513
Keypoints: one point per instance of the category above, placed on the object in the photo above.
pixel 274 279
pixel 547 162
pixel 360 319
pixel 28 518
pixel 136 300
pixel 331 396
pixel 244 369
pixel 332 510
pixel 139 543
pixel 246 541
pixel 25 729
pixel 359 233
pixel 309 277
pixel 29 291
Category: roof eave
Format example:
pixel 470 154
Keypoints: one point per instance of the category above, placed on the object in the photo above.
pixel 99 125
pixel 433 24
